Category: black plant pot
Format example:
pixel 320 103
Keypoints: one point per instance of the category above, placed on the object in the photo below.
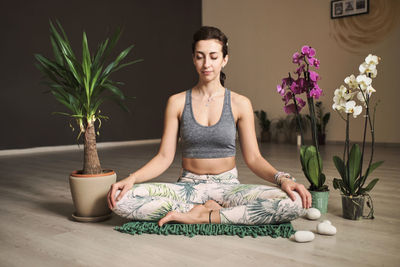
pixel 353 207
pixel 265 136
pixel 321 139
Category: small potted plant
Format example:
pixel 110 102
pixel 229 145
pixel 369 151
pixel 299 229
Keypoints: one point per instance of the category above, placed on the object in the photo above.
pixel 291 91
pixel 265 124
pixel 278 128
pixel 321 120
pixel 350 166
pixel 82 86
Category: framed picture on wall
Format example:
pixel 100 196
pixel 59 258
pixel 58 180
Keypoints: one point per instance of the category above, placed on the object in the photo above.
pixel 344 8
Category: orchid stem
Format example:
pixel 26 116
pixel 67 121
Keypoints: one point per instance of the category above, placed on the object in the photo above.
pixel 297 114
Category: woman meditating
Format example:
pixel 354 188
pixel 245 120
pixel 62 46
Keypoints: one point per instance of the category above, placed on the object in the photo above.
pixel 206 117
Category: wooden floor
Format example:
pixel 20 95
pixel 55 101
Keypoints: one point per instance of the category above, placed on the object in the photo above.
pixel 36 228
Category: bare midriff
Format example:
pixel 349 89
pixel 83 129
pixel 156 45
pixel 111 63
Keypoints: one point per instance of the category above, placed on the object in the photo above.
pixel 208 166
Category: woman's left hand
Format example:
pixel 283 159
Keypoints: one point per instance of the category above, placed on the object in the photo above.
pixel 289 186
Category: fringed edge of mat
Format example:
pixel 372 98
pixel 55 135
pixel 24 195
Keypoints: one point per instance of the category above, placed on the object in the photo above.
pixel 144 227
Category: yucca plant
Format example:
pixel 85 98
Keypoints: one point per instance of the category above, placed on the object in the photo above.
pixel 82 86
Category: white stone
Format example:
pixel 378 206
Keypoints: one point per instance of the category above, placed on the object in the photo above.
pixel 326 229
pixel 304 236
pixel 326 221
pixel 313 214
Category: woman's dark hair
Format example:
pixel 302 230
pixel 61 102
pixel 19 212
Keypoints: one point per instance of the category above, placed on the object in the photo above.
pixel 207 33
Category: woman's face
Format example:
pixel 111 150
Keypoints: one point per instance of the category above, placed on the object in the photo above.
pixel 208 59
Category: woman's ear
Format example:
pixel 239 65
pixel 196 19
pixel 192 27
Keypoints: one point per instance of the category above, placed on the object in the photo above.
pixel 225 61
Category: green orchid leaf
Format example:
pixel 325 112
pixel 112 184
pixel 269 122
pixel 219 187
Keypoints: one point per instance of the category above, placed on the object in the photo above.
pixel 313 172
pixel 321 180
pixel 373 167
pixel 341 168
pixel 304 163
pixel 336 183
pixel 371 185
pixel 358 182
pixel 311 151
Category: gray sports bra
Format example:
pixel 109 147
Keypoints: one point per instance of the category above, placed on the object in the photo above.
pixel 215 141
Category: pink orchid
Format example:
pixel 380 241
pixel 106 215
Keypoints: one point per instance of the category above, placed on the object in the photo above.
pixel 297 87
pixel 300 103
pixel 297 57
pixel 308 51
pixel 316 92
pixel 280 90
pixel 300 69
pixel 291 108
pixel 314 62
pixel 287 97
pixel 314 76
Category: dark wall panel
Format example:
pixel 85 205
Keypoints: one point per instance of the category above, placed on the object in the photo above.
pixel 161 31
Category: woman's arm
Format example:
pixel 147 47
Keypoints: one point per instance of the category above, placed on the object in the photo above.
pixel 248 141
pixel 253 158
pixel 159 163
pixel 165 156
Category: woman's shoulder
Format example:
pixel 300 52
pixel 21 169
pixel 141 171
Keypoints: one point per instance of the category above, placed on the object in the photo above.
pixel 176 102
pixel 178 98
pixel 240 100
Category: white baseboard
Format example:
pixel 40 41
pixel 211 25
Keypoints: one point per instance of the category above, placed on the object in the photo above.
pixel 46 149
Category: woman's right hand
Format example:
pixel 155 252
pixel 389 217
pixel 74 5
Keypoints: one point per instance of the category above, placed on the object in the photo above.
pixel 123 185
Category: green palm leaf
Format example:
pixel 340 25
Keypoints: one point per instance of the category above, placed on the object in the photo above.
pixel 80 85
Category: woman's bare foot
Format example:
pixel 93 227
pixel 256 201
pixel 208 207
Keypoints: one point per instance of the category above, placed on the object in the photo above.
pixel 199 214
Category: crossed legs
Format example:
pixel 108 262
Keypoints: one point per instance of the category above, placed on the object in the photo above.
pixel 192 203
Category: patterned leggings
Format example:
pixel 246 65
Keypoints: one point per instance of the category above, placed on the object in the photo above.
pixel 241 203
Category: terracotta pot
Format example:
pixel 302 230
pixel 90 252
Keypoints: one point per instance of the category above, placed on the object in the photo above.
pixel 353 207
pixel 89 194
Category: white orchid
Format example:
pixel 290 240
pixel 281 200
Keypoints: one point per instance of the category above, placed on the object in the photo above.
pixel 368 69
pixel 363 81
pixel 362 95
pixel 351 82
pixel 352 108
pixel 342 95
pixel 372 60
pixel 359 86
pixel 339 104
pixel 369 66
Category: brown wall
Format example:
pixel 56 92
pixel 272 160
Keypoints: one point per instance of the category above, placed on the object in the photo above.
pixel 161 31
pixel 263 35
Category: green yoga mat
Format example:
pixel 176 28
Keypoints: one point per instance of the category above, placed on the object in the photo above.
pixel 145 227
